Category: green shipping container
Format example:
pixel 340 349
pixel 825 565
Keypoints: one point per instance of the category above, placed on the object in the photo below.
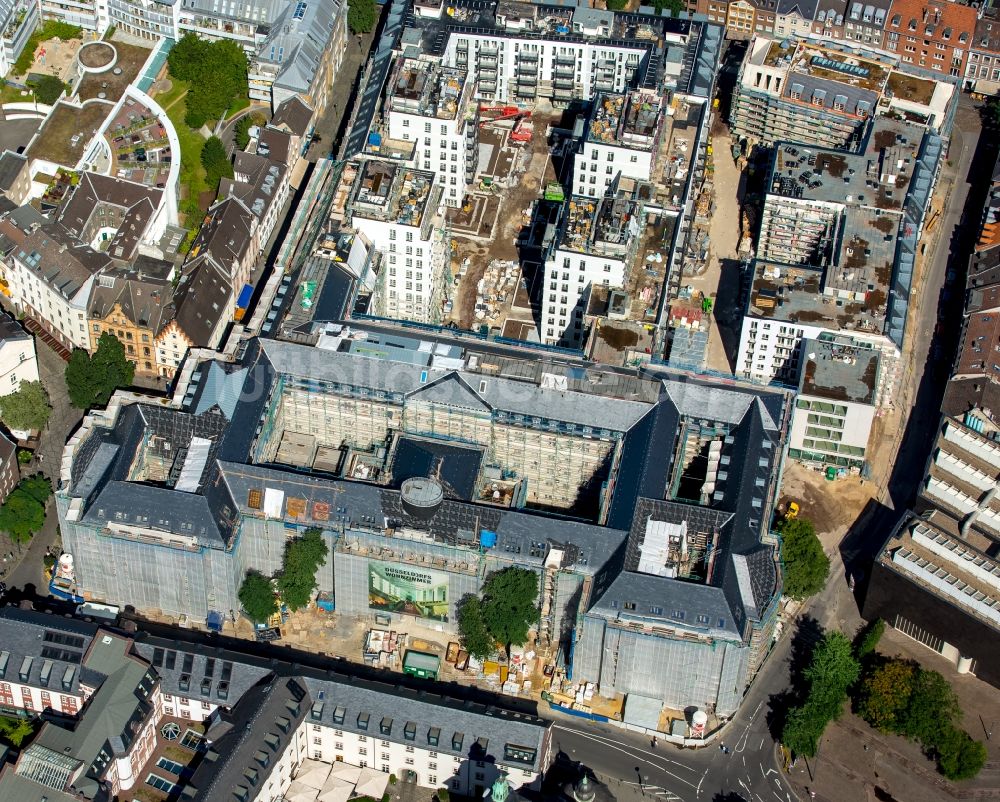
pixel 421 664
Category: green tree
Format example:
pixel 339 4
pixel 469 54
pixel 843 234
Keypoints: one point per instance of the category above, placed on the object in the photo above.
pixel 959 756
pixel 48 88
pixel 92 380
pixel 868 638
pixel 257 597
pixel 362 15
pixel 805 565
pixel 38 486
pixel 884 694
pixel 15 730
pixel 215 162
pixel 616 5
pixel 472 631
pixel 241 131
pixel 21 516
pixel 303 557
pixel 217 72
pixel 509 604
pixel 933 708
pixel 675 7
pixel 831 671
pixel 27 409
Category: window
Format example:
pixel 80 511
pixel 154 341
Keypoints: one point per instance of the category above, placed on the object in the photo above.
pixel 169 765
pixel 160 784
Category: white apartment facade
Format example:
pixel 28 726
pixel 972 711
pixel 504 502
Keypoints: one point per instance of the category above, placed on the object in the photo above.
pixel 442 132
pixel 413 267
pixel 510 69
pixel 18 359
pixel 64 314
pixel 597 165
pixel 569 277
pixel 826 431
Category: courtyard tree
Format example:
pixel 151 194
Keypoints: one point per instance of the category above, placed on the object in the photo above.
pixel 48 88
pixel 868 638
pixel 216 162
pixel 38 486
pixel 503 613
pixel 216 72
pixel 15 730
pixel 21 515
pixel 804 563
pixel 362 15
pixel 472 631
pixel 959 756
pixel 27 409
pixel 92 380
pixel 884 694
pixel 832 670
pixel 257 597
pixel 303 557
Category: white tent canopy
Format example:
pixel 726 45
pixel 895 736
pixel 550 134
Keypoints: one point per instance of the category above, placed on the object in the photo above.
pixel 313 773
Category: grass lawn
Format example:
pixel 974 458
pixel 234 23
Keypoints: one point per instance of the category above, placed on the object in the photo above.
pixel 11 94
pixel 239 103
pixel 192 172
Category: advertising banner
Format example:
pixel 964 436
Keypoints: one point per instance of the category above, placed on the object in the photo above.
pixel 408 590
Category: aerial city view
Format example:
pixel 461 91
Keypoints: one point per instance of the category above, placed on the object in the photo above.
pixel 455 400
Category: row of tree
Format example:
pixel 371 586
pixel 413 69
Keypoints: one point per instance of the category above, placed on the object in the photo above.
pixel 92 379
pixel 892 694
pixel 216 72
pixel 294 583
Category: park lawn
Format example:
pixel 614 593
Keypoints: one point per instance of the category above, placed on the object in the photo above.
pixel 192 171
pixel 12 94
pixel 239 103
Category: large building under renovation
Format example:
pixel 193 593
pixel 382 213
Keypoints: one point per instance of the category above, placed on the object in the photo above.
pixel 641 501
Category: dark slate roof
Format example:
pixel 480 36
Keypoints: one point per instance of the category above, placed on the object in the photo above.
pixel 202 299
pixel 214 675
pixel 804 8
pixel 47 639
pixel 293 114
pixel 686 605
pixel 142 289
pixel 10 329
pixel 11 165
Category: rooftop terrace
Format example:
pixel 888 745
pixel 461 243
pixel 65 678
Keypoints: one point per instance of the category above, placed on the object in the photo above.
pixel 387 191
pixel 839 370
pixel 427 89
pixel 877 177
pixel 828 63
pixel 800 295
pixel 631 120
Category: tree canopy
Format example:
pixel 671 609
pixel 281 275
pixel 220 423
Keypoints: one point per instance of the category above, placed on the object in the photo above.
pixel 26 409
pixel 257 597
pixel 832 670
pixel 241 131
pixel 215 162
pixel 303 557
pixel 216 72
pixel 23 513
pixel 91 380
pixel 503 613
pixel 884 695
pixel 15 730
pixel 362 15
pixel 805 564
pixel 48 88
pixel 868 638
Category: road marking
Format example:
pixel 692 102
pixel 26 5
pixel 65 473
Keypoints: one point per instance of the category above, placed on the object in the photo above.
pixel 611 745
pixel 634 749
pixel 698 789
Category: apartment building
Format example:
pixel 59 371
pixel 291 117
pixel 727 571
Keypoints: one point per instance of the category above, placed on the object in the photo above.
pixel 596 247
pixel 794 18
pixel 17 20
pixel 836 404
pixel 427 108
pixel 841 229
pixel 790 90
pixel 396 208
pixel 983 71
pixel 935 36
pixel 260 183
pixel 621 140
pixel 134 302
pixel 10 469
pixel 269 727
pixel 18 360
pixel 301 54
pixel 50 275
pixel 246 23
